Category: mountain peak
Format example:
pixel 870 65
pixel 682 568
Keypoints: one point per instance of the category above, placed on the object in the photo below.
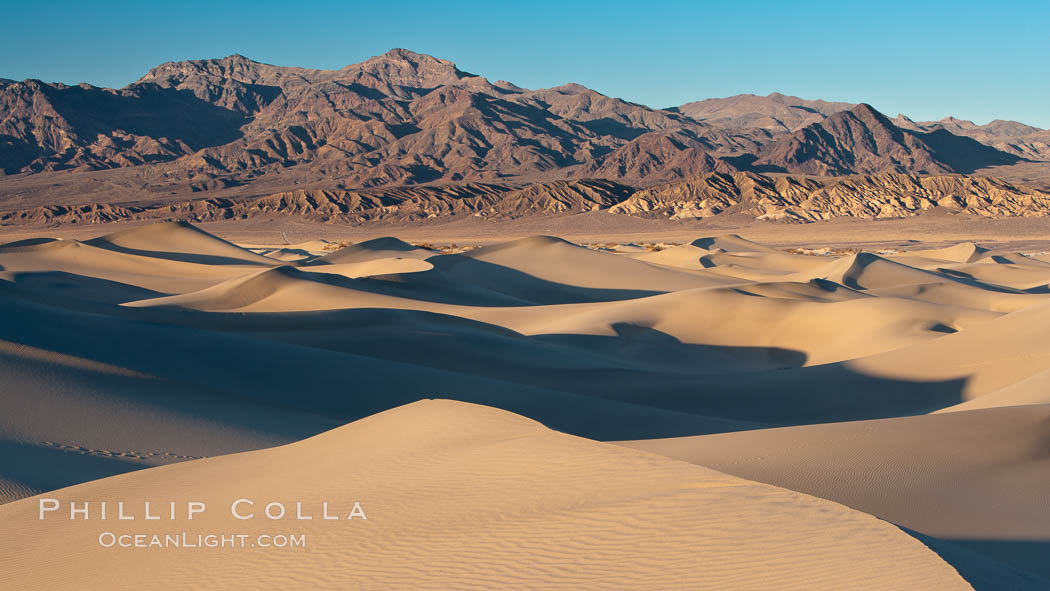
pixel 775 112
pixel 235 66
pixel 403 54
pixel 232 59
pixel 866 109
pixel 400 53
pixel 863 140
pixel 405 117
pixel 871 116
pixel 404 67
pixel 573 88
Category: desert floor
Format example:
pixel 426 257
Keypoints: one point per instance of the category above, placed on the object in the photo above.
pixel 631 405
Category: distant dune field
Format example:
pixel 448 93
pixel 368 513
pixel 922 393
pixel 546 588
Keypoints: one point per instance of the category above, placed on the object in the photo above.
pixel 526 413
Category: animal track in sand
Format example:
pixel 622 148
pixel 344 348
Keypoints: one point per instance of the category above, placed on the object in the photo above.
pixel 140 455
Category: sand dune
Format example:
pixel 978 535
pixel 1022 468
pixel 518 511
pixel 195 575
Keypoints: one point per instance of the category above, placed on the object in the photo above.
pixel 371 268
pixel 820 331
pixel 689 255
pixel 731 243
pixel 974 477
pixel 870 271
pixel 178 241
pixel 734 257
pixel 956 294
pixel 378 248
pixel 190 348
pixel 292 253
pixel 1026 276
pixel 467 497
pixel 909 386
pixel 67 419
pixel 989 357
pixel 555 260
pixel 279 289
pixel 964 252
pixel 91 272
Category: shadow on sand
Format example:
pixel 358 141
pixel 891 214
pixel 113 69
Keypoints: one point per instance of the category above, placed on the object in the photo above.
pixel 995 565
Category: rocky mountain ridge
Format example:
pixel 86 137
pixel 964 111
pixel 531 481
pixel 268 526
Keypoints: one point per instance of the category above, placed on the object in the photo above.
pixel 410 136
pixel 406 118
pixel 863 140
pixel 399 118
pixel 1011 137
pixel 784 198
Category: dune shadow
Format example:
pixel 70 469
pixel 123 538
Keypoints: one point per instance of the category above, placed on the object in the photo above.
pixel 27 242
pixel 638 365
pixel 797 396
pixel 44 467
pixel 569 362
pixel 462 281
pixel 83 287
pixel 1030 555
pixel 865 259
pixel 581 384
pixel 706 262
pixel 495 278
pixel 665 357
pixel 994 565
pixel 306 255
pixel 704 243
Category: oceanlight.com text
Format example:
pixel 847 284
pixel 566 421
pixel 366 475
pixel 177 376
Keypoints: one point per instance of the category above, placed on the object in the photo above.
pixel 185 540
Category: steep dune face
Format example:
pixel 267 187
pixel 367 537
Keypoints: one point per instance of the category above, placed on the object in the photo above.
pixel 506 503
pixel 377 248
pixel 966 252
pixel 1019 352
pixel 67 419
pixel 288 289
pixel 374 267
pixel 816 330
pixel 870 271
pixel 559 261
pixel 178 241
pixel 543 270
pixel 973 477
pixel 80 270
pixel 232 355
pixel 733 256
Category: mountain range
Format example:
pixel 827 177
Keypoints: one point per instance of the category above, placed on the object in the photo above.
pixel 238 129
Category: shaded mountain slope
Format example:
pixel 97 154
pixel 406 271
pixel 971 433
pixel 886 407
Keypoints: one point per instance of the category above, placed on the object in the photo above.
pixel 862 140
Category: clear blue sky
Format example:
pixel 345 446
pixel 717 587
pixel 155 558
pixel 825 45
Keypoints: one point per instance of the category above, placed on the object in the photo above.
pixel 974 60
